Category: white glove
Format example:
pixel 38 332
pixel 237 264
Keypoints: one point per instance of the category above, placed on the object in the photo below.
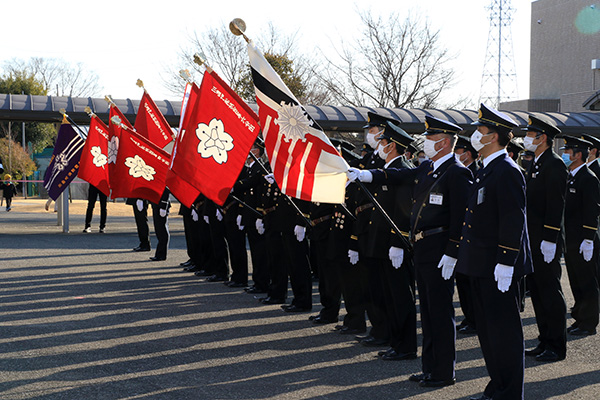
pixel 300 232
pixel 548 251
pixel 503 275
pixel 270 178
pixel 140 205
pixel 353 174
pixel 219 215
pixel 260 226
pixel 194 216
pixel 396 255
pixel 447 265
pixel 206 219
pixel 587 249
pixel 162 212
pixel 353 256
pixel 238 221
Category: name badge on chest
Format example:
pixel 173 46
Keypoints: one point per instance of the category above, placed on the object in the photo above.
pixel 480 195
pixel 384 188
pixel 572 190
pixel 436 199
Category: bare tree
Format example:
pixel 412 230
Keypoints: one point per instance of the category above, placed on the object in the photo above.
pixel 393 63
pixel 58 77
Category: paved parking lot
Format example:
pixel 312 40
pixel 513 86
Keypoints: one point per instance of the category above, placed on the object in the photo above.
pixel 84 317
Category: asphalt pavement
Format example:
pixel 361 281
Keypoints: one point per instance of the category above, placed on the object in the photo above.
pixel 84 317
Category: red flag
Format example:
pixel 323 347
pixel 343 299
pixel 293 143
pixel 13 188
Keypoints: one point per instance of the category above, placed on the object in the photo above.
pixel 305 164
pixel 141 168
pixel 215 140
pixel 114 132
pixel 93 166
pixel 151 123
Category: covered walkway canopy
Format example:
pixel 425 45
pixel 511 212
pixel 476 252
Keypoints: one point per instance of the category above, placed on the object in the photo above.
pixel 331 118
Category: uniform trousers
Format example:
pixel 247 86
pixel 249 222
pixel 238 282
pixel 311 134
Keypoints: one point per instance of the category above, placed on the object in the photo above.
pixel 219 261
pixel 258 255
pixel 437 321
pixel 354 291
pixel 401 313
pixel 500 335
pixel 191 234
pixel 141 223
pixel 463 287
pixel 549 303
pixel 330 288
pixel 296 257
pixel 238 256
pixel 93 194
pixel 278 284
pixel 584 285
pixel 376 307
pixel 161 230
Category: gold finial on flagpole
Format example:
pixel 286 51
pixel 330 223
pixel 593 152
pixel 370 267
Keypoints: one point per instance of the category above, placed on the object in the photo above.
pixel 109 99
pixel 89 111
pixel 185 74
pixel 200 59
pixel 62 111
pixel 237 26
pixel 140 84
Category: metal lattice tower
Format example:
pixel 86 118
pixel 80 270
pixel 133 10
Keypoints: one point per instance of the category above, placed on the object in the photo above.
pixel 499 79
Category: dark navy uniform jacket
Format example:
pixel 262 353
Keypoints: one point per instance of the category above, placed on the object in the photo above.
pixel 495 226
pixel 546 185
pixel 444 206
pixel 582 208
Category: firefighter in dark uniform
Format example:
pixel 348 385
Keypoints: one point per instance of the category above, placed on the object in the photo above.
pixel 247 189
pixel 546 184
pixel 514 149
pixel 362 207
pixel 391 272
pixel 467 155
pixel 160 214
pixel 440 189
pixel 219 260
pixel 236 241
pixel 494 252
pixel 582 207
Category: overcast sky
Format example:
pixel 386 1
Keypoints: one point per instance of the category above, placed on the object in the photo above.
pixel 125 40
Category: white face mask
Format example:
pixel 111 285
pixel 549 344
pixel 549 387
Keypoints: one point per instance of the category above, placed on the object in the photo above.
pixel 382 153
pixel 528 143
pixel 371 141
pixel 422 160
pixel 429 147
pixel 476 140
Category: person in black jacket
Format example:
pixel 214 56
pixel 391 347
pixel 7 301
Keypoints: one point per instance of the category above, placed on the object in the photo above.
pixel 546 184
pixel 93 194
pixel 9 190
pixel 494 252
pixel 593 161
pixel 582 207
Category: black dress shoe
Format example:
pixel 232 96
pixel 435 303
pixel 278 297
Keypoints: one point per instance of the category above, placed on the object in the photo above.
pixel 216 278
pixel 549 356
pixel 295 309
pixel 192 268
pixel 482 397
pixel 384 352
pixel 271 300
pixel 536 351
pixel 417 377
pixel 467 330
pixel 186 263
pixel 572 327
pixel 582 332
pixel 202 272
pixel 360 338
pixel 140 248
pixel 237 284
pixel 313 317
pixel 372 342
pixel 346 330
pixel 255 290
pixel 157 259
pixel 429 382
pixel 323 321
pixel 395 356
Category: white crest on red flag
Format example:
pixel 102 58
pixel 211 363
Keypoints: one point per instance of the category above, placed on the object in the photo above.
pixel 304 162
pixel 214 141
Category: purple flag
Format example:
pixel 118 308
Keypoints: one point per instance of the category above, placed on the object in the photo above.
pixel 64 163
